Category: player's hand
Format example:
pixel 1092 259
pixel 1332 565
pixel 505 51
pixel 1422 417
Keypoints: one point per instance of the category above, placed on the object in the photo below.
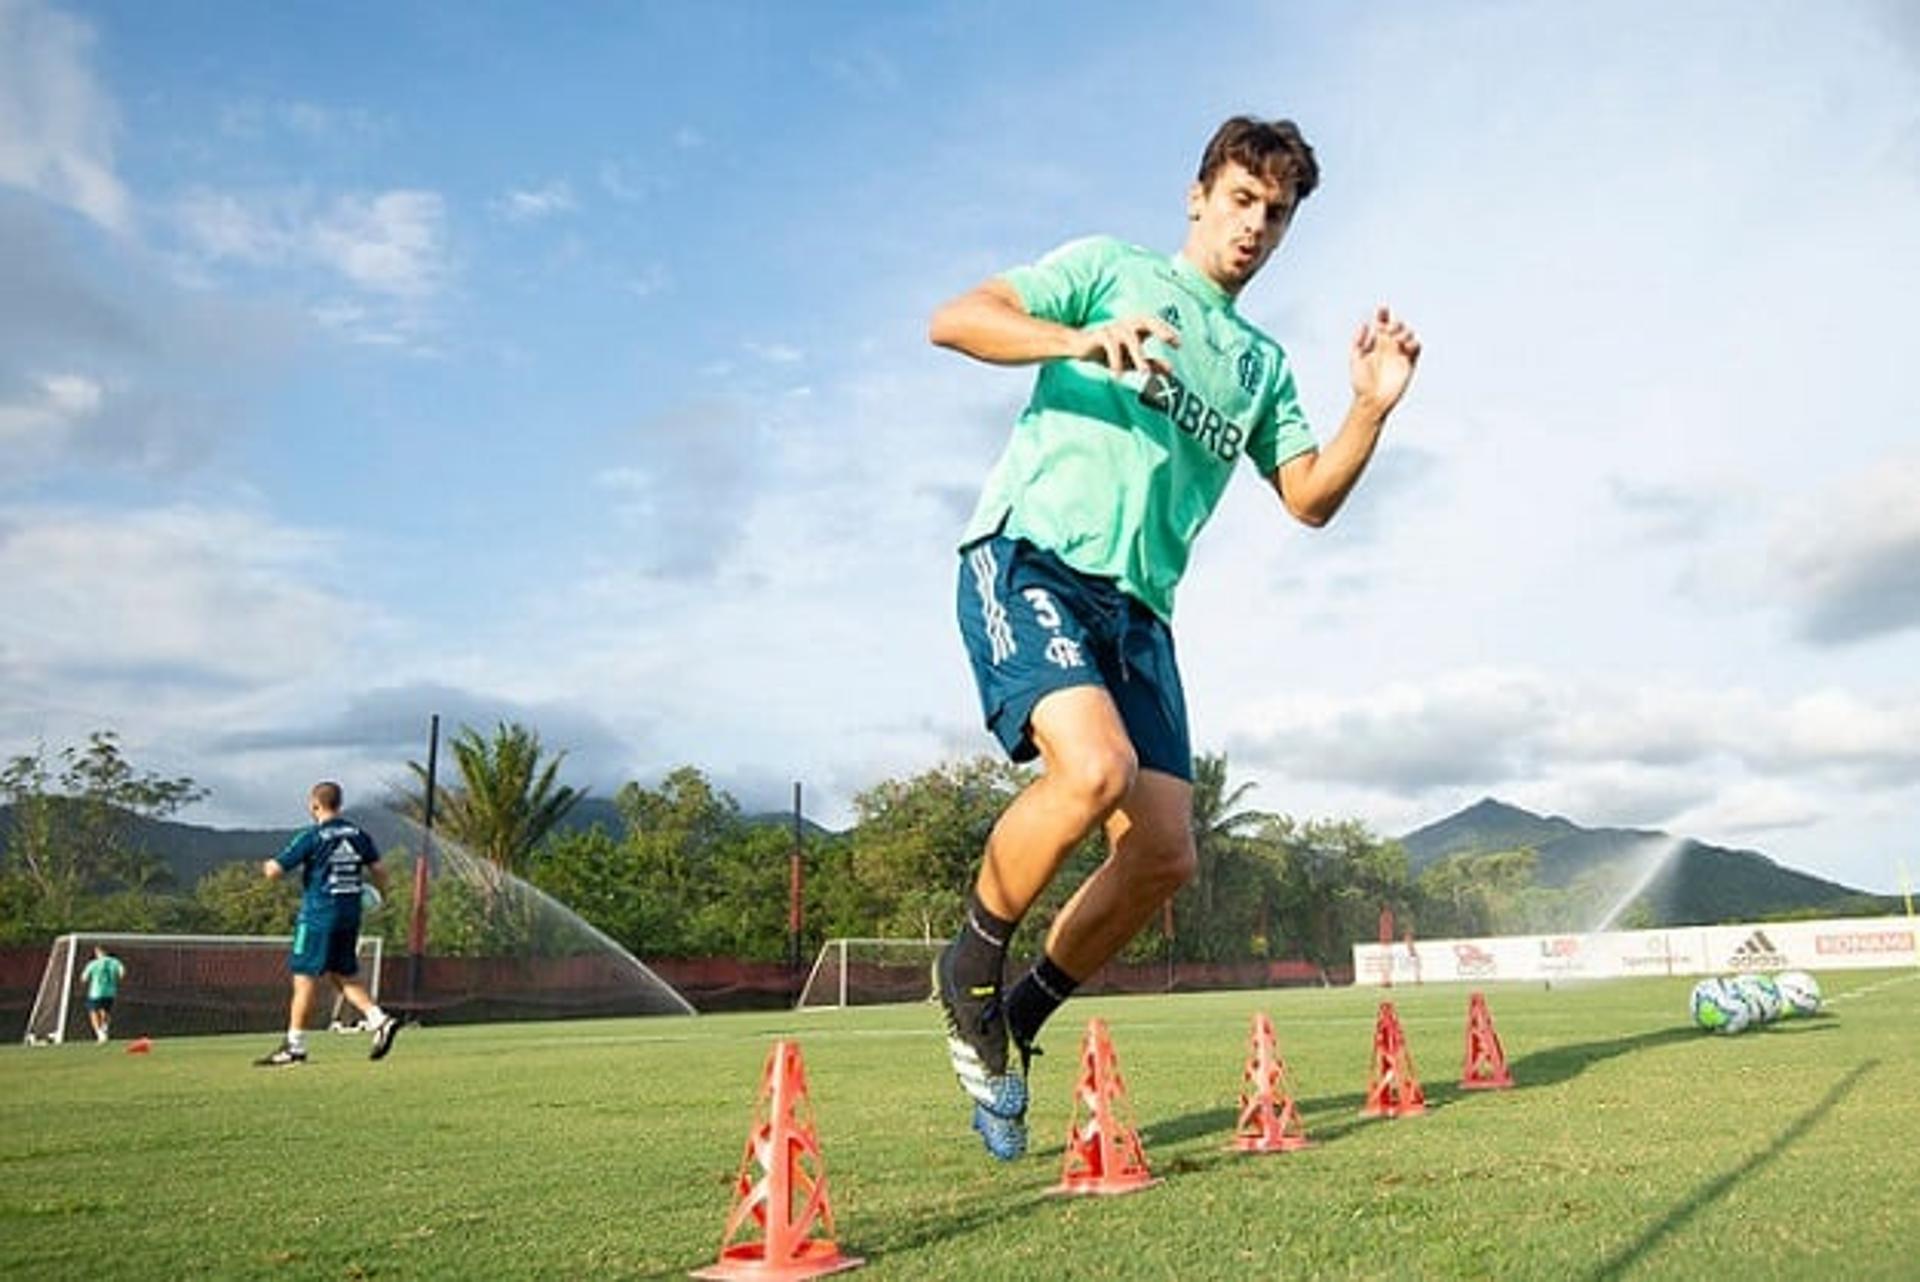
pixel 1122 344
pixel 1381 359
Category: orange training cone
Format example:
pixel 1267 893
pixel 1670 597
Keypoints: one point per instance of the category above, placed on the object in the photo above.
pixel 140 1046
pixel 1486 1063
pixel 789 1196
pixel 1269 1122
pixel 1395 1088
pixel 1103 1154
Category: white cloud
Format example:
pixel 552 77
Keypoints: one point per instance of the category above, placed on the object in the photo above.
pixel 1751 809
pixel 57 124
pixel 390 247
pixel 1851 562
pixel 38 423
pixel 521 206
pixel 775 353
pixel 1601 752
pixel 225 225
pixel 393 243
pixel 184 595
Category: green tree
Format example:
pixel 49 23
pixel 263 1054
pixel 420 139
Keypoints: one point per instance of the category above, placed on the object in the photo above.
pixel 73 829
pixel 1218 915
pixel 235 899
pixel 508 800
pixel 917 842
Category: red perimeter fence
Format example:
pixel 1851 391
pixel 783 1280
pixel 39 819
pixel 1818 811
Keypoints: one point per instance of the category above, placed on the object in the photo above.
pixel 471 990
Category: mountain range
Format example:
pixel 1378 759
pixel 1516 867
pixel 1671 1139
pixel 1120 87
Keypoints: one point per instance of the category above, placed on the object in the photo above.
pixel 1696 883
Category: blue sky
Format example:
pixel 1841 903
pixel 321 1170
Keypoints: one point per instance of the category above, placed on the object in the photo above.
pixel 365 361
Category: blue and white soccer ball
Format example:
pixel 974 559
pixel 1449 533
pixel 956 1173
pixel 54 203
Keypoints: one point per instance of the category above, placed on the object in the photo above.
pixel 1719 1007
pixel 1799 990
pixel 1762 995
pixel 370 898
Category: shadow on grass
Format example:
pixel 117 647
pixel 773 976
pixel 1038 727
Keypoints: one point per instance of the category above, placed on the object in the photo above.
pixel 1330 1117
pixel 990 1211
pixel 1558 1064
pixel 1715 1189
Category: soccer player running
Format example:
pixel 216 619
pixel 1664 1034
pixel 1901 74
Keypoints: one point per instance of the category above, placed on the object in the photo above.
pixel 333 856
pixel 1151 387
pixel 102 977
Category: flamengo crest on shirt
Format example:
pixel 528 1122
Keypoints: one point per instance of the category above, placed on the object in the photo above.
pixel 1251 369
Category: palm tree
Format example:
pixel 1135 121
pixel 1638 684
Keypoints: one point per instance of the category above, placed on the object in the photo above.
pixel 507 801
pixel 1217 826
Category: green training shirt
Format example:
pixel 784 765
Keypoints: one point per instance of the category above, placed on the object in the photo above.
pixel 1116 476
pixel 102 977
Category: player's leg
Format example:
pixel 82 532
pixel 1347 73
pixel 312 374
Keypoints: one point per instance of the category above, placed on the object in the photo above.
pixel 343 965
pixel 106 1019
pixel 307 962
pixel 1022 616
pixel 1089 766
pixel 1149 838
pixel 1150 856
pixel 301 1009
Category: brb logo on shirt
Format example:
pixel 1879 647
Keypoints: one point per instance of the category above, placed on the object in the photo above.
pixel 1194 417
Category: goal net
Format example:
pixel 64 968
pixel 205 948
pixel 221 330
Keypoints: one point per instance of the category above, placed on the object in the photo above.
pixel 870 972
pixel 184 984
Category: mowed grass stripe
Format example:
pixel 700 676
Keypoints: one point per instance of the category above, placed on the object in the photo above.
pixel 1633 1146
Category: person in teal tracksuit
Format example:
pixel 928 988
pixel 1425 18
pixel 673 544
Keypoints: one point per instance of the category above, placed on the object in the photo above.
pixel 102 977
pixel 336 861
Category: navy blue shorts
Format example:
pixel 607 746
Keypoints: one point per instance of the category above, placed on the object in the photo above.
pixel 1033 625
pixel 326 948
pixel 100 1003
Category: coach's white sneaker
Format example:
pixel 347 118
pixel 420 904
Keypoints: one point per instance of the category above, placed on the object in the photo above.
pixel 383 1034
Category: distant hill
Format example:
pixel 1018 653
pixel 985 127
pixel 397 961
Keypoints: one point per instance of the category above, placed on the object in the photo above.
pixel 190 851
pixel 1700 883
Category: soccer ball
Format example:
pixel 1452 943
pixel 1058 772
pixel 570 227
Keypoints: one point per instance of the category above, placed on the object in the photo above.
pixel 1799 991
pixel 1760 993
pixel 1719 1007
pixel 369 898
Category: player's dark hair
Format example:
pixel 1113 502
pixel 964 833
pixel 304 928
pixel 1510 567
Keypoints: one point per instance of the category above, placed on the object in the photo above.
pixel 1270 149
pixel 328 794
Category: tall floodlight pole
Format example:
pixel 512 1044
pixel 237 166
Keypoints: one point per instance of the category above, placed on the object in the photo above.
pixel 794 881
pixel 417 929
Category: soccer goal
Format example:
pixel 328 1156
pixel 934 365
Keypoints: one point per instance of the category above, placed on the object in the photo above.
pixel 181 984
pixel 870 972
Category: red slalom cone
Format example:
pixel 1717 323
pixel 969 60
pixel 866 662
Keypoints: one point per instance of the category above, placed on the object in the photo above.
pixel 1395 1088
pixel 140 1046
pixel 1269 1122
pixel 1486 1062
pixel 789 1196
pixel 1104 1156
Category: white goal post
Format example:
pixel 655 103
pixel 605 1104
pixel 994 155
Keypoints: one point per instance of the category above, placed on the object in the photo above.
pixel 870 972
pixel 180 984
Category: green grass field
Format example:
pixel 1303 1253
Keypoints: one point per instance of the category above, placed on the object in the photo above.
pixel 1632 1146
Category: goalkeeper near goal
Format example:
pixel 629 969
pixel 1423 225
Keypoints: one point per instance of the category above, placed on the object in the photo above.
pixel 335 859
pixel 1151 387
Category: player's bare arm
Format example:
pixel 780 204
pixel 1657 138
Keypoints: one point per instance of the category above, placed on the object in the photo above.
pixel 1380 364
pixel 990 323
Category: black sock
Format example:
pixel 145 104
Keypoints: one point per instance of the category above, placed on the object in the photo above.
pixel 980 949
pixel 1037 995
